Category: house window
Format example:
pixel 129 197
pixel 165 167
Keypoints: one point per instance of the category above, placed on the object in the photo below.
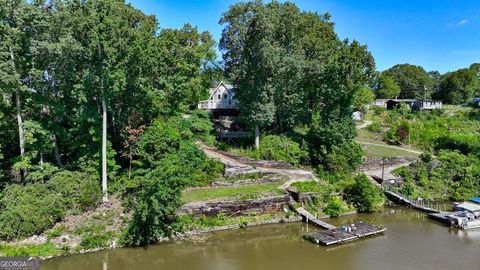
pixel 219 96
pixel 224 95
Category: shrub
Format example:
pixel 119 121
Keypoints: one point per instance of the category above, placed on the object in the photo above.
pixel 157 202
pixel 379 110
pixel 398 133
pixel 374 127
pixel 29 210
pixel 344 158
pixel 335 207
pixel 273 147
pixel 97 239
pixel 33 208
pixel 364 195
pixel 81 191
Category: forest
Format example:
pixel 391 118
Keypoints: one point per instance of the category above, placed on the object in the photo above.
pixel 98 102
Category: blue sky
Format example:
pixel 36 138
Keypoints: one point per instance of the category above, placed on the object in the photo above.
pixel 441 35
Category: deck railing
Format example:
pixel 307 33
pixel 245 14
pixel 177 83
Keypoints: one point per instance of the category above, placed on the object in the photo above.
pixel 212 105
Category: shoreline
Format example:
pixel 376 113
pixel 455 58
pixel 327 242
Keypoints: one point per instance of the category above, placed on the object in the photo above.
pixel 185 236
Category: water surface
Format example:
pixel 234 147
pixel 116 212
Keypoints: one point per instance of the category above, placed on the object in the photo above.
pixel 412 241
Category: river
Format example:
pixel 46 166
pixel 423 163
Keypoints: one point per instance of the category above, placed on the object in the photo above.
pixel 412 241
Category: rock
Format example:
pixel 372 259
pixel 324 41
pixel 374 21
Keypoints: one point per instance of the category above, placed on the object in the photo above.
pixel 246 207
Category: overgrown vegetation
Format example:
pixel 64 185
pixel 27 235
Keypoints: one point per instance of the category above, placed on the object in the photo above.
pixel 275 147
pixel 33 208
pixel 450 137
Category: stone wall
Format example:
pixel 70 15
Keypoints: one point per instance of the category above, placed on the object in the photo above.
pixel 259 163
pixel 267 178
pixel 237 208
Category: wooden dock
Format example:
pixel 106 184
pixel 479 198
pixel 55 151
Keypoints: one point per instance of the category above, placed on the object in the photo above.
pixel 339 235
pixel 405 201
pixel 400 199
pixel 312 219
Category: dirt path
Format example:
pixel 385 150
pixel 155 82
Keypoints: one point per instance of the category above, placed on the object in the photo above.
pixel 293 175
pixel 364 124
pixel 388 175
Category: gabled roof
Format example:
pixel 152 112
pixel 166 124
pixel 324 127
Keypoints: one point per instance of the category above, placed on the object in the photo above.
pixel 212 91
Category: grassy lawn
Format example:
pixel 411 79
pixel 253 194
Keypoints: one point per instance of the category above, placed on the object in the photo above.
pixel 371 137
pixel 237 192
pixel 381 151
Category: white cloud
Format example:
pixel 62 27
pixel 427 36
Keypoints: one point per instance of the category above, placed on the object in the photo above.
pixel 457 24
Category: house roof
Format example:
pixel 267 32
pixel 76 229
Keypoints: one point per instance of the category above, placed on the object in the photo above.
pixel 468 206
pixel 212 91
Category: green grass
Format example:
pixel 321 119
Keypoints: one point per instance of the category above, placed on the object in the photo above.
pixel 381 151
pixel 43 250
pixel 237 192
pixel 192 223
pixel 307 186
pixel 371 137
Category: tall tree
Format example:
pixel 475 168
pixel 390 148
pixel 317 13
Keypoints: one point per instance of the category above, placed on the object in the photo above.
pixel 414 81
pixel 20 25
pixel 289 66
pixel 111 35
pixel 459 86
pixel 387 87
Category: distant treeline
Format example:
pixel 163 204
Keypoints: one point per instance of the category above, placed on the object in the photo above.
pixel 409 81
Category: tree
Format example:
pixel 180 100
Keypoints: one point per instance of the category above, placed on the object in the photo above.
pixel 414 81
pixel 363 97
pixel 19 28
pixel 364 195
pixel 112 36
pixel 459 86
pixel 387 87
pixel 289 65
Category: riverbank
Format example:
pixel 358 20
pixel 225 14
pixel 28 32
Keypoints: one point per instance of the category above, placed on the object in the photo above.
pixel 44 248
pixel 418 241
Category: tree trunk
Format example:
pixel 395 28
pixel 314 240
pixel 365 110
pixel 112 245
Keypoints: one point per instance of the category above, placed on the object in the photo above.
pixel 104 151
pixel 57 152
pixel 18 106
pixel 257 137
pixel 20 122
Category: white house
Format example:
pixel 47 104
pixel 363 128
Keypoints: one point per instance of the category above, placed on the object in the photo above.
pixel 221 97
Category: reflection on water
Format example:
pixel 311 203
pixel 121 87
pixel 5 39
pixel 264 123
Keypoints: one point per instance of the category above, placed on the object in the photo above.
pixel 412 241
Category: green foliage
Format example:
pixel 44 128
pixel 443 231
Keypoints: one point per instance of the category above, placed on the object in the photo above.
pixel 307 186
pixel 28 210
pixel 363 97
pixel 244 192
pixel 364 195
pixel 335 207
pixel 459 86
pixel 33 208
pixel 398 133
pixel 166 136
pixel 374 127
pixel 387 87
pixel 99 239
pixel 43 250
pixel 344 158
pixel 273 147
pixel 324 135
pixel 157 203
pixel 81 190
pixel 412 81
pixel 451 175
pixel 274 75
